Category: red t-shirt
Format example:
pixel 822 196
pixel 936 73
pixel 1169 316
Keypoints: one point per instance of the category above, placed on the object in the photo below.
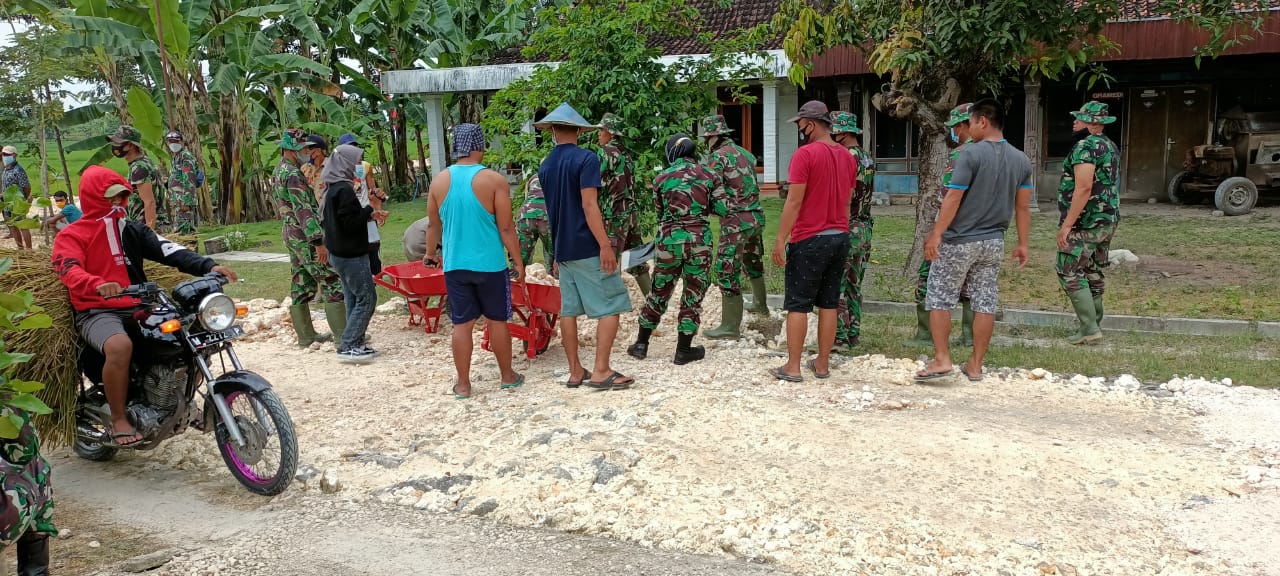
pixel 829 173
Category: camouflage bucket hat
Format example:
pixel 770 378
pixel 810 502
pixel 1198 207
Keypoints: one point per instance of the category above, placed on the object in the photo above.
pixel 713 126
pixel 959 115
pixel 1094 112
pixel 611 123
pixel 125 134
pixel 844 123
pixel 292 139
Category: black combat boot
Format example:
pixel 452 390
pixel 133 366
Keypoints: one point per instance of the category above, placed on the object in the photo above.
pixel 686 352
pixel 33 555
pixel 640 350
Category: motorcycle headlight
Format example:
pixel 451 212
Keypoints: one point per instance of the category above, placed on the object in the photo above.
pixel 217 312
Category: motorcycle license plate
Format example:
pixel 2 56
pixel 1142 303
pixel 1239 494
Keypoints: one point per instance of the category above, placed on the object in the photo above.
pixel 209 338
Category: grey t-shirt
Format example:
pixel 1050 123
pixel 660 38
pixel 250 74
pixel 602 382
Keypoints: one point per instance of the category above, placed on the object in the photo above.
pixel 990 174
pixel 415 240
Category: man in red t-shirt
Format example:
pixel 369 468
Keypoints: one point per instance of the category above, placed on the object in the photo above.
pixel 813 238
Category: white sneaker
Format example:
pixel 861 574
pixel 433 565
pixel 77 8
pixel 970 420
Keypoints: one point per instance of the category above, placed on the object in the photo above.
pixel 355 356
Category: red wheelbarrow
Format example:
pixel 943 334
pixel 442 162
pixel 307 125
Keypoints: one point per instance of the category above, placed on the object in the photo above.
pixel 535 315
pixel 422 287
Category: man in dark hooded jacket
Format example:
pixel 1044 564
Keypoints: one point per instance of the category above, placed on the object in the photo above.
pixel 99 256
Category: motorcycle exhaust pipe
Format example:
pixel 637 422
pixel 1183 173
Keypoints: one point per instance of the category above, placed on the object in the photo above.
pixel 91 433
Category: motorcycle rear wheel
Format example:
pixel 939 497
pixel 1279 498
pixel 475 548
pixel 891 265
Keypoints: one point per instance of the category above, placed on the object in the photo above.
pixel 244 461
pixel 93 451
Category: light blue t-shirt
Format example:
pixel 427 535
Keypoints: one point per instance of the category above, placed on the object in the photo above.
pixel 470 238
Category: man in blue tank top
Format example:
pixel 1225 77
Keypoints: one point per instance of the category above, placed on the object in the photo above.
pixel 469 207
pixel 590 282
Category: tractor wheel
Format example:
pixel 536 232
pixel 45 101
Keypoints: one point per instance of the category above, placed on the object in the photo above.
pixel 1236 196
pixel 1180 196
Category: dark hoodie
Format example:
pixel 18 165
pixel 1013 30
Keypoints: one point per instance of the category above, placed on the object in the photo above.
pixel 103 247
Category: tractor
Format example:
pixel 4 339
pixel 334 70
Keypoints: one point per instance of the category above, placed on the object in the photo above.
pixel 1233 174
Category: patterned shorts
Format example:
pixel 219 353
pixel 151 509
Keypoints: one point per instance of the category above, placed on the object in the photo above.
pixel 972 268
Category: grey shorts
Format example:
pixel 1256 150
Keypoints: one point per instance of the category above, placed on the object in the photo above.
pixel 972 268
pixel 585 289
pixel 98 326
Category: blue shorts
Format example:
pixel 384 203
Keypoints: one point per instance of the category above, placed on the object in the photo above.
pixel 585 289
pixel 476 294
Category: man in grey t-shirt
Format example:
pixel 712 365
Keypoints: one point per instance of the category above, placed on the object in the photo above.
pixel 992 180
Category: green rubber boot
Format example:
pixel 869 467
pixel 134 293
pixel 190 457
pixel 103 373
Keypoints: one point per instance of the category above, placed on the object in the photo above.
pixel 1097 307
pixel 731 320
pixel 644 280
pixel 301 316
pixel 1082 302
pixel 923 335
pixel 759 297
pixel 966 324
pixel 335 314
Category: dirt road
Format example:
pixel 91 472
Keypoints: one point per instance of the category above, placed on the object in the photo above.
pixel 1023 473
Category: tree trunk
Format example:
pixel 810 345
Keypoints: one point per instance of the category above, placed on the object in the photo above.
pixel 400 144
pixel 382 153
pixel 471 107
pixel 933 162
pixel 111 75
pixel 422 152
pixel 62 154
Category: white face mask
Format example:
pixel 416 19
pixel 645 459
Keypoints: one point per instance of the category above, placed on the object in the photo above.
pixel 175 146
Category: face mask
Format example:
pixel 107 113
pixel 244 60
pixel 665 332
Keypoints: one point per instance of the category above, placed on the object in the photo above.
pixel 8 160
pixel 60 203
pixel 804 134
pixel 360 171
pixel 954 137
pixel 175 146
pixel 304 159
pixel 117 151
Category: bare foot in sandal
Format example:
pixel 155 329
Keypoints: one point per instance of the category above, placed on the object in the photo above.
pixel 127 436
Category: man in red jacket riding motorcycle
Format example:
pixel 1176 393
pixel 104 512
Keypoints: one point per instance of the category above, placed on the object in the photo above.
pixel 96 258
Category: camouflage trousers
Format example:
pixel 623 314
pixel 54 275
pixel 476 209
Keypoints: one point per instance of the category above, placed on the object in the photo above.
pixel 688 262
pixel 849 316
pixel 310 276
pixel 530 232
pixel 625 235
pixel 184 220
pixel 739 251
pixel 27 507
pixel 1081 264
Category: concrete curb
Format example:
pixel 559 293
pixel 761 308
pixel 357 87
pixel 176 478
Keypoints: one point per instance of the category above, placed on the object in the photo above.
pixel 1120 323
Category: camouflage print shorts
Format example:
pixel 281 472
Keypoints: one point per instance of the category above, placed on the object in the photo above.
pixel 972 268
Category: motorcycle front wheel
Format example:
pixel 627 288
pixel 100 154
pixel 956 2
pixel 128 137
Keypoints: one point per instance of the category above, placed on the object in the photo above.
pixel 266 463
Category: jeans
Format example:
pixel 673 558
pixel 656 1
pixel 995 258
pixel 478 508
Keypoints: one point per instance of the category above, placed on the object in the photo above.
pixel 360 295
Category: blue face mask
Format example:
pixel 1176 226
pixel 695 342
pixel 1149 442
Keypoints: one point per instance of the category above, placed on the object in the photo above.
pixel 954 138
pixel 8 160
pixel 360 171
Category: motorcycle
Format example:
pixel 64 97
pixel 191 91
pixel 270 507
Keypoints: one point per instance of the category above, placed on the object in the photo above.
pixel 178 340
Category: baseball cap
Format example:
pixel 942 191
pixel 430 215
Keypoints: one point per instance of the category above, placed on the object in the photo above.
pixel 116 190
pixel 813 110
pixel 347 139
pixel 10 151
pixel 318 141
pixel 173 135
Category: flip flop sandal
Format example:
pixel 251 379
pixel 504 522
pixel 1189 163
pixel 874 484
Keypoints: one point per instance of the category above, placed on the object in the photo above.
pixel 571 383
pixel 518 383
pixel 816 373
pixel 139 442
pixel 611 383
pixel 457 396
pixel 780 375
pixel 971 377
pixel 925 375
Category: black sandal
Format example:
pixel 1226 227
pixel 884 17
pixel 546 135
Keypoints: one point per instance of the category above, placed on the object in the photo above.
pixel 571 383
pixel 612 382
pixel 141 441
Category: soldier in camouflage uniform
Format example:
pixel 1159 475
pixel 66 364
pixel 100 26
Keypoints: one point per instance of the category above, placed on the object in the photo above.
pixel 532 225
pixel 26 512
pixel 844 130
pixel 303 236
pixel 959 125
pixel 686 194
pixel 618 197
pixel 1089 205
pixel 741 246
pixel 183 184
pixel 148 205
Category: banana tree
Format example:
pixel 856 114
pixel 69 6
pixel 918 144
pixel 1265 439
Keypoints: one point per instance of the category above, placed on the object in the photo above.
pixel 469 33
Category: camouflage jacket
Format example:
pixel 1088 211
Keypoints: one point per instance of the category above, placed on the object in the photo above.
pixel 297 205
pixel 736 168
pixel 1103 208
pixel 28 496
pixel 617 197
pixel 686 194
pixel 535 204
pixel 860 202
pixel 182 180
pixel 142 171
